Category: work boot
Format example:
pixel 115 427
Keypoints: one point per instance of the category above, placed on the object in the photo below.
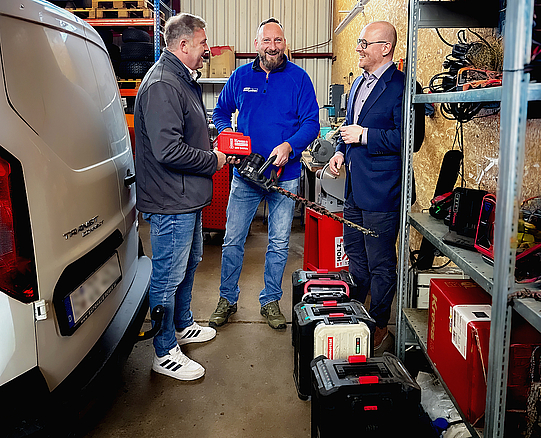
pixel 222 312
pixel 273 315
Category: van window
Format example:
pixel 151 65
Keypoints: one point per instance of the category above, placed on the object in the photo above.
pixel 50 82
pixel 112 111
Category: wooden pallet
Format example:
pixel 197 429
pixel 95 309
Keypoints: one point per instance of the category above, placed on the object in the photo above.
pixel 122 4
pixel 123 13
pixel 83 13
pixel 129 84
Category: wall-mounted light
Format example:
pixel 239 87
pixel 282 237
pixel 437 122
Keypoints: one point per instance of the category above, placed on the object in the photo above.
pixel 359 7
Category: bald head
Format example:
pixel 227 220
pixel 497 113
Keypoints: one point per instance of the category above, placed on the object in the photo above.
pixel 384 31
pixel 377 42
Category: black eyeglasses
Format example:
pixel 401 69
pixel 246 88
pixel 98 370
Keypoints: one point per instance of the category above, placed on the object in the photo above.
pixel 364 44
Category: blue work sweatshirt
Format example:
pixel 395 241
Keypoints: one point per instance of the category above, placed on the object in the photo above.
pixel 274 109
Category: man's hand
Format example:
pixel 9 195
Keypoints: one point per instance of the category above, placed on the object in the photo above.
pixel 335 163
pixel 282 152
pixel 351 133
pixel 221 159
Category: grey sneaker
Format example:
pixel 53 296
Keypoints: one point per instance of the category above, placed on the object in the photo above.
pixel 222 312
pixel 273 315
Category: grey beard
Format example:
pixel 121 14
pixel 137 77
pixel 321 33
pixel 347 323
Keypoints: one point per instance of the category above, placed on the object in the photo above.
pixel 271 64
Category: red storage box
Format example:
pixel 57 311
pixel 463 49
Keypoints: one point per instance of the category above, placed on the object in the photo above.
pixel 458 338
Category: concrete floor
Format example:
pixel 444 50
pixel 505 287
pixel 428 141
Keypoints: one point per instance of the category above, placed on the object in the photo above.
pixel 248 389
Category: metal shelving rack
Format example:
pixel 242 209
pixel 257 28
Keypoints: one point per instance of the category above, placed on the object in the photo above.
pixel 155 23
pixel 498 280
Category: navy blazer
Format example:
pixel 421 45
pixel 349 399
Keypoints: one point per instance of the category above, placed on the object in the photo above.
pixel 374 171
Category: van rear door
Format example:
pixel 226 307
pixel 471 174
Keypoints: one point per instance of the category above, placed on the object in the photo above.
pixel 72 179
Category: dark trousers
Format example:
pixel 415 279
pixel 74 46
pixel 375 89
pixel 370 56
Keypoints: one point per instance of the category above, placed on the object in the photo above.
pixel 372 260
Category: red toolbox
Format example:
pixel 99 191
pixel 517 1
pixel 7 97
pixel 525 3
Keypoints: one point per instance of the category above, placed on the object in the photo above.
pixel 323 243
pixel 458 338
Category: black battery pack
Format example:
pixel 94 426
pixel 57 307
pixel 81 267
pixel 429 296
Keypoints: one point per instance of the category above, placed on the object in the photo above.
pixel 330 328
pixel 372 397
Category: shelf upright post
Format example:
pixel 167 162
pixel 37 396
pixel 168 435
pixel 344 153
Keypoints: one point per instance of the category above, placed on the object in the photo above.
pixel 407 180
pixel 513 114
pixel 156 30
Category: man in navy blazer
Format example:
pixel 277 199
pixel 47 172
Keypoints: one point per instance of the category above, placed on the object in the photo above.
pixel 370 148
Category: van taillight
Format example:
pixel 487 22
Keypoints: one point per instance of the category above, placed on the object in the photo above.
pixel 17 269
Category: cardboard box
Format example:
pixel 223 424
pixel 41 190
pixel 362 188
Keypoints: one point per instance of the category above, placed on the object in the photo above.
pixel 205 70
pixel 422 285
pixel 222 61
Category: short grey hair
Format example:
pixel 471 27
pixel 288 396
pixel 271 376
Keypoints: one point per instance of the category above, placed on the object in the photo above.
pixel 267 21
pixel 181 26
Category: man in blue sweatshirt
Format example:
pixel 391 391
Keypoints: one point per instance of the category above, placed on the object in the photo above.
pixel 279 112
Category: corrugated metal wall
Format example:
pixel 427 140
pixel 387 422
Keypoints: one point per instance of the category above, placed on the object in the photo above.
pixel 234 23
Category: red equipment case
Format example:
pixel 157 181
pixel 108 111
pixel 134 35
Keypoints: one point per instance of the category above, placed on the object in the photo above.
pixel 458 337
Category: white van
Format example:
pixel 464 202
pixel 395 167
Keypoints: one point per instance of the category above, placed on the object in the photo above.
pixel 73 282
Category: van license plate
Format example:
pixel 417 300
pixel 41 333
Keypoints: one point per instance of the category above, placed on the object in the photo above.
pixel 84 300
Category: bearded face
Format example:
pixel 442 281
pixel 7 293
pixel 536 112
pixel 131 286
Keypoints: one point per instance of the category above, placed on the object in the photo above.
pixel 270 46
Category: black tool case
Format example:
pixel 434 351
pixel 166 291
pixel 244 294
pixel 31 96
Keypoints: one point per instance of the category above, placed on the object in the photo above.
pixel 341 316
pixel 365 397
pixel 318 287
pixel 321 285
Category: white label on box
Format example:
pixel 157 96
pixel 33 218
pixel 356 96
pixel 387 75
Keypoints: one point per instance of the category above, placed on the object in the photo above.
pixel 340 257
pixel 462 316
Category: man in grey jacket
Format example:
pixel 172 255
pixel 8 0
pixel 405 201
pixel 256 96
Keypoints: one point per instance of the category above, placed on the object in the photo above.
pixel 174 168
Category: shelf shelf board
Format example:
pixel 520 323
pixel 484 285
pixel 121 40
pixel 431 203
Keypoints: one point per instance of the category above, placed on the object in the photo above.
pixel 530 310
pixel 534 91
pixel 473 265
pixel 113 22
pixel 492 94
pixel 212 80
pixel 470 262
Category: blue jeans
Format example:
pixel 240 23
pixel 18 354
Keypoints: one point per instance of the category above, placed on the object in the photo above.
pixel 244 199
pixel 372 260
pixel 177 248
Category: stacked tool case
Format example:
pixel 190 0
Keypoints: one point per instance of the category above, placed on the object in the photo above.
pixel 334 329
pixel 318 287
pixel 320 281
pixel 366 397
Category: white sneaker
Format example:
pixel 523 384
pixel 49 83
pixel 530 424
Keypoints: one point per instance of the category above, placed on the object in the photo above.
pixel 195 333
pixel 177 365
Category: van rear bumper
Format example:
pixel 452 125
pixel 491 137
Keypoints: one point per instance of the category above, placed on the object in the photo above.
pixel 110 351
